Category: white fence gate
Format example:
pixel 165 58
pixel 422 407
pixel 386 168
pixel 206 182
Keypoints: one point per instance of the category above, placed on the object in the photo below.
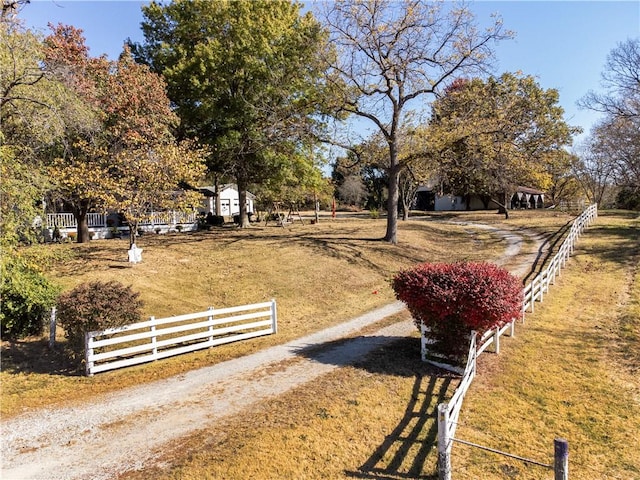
pixel 144 341
pixel 448 412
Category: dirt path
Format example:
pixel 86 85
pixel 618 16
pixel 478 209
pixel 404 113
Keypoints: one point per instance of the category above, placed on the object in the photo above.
pixel 125 430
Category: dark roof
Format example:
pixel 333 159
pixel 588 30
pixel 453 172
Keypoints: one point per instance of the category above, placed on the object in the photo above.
pixel 530 191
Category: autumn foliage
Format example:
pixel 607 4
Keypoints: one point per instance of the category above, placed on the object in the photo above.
pixel 453 299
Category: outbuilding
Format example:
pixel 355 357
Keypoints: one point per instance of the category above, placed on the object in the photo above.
pixel 229 200
pixel 430 199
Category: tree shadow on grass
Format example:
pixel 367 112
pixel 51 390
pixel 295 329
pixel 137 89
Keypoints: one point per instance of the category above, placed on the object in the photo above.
pixel 620 244
pixel 409 451
pixel 549 247
pixel 405 451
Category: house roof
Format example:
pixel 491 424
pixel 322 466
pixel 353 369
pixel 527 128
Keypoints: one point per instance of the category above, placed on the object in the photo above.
pixel 429 187
pixel 530 191
pixel 210 191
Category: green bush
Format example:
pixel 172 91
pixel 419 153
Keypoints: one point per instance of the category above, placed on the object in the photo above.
pixel 96 306
pixel 628 198
pixel 26 297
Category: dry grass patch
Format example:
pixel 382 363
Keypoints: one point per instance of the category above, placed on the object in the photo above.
pixel 371 420
pixel 571 372
pixel 320 275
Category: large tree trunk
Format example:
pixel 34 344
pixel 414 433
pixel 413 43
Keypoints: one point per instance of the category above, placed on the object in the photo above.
pixel 392 202
pixel 502 207
pixel 242 201
pixel 217 196
pixel 80 213
pixel 133 232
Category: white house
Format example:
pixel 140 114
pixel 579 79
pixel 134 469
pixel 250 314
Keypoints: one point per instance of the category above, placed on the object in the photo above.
pixel 229 200
pixel 428 198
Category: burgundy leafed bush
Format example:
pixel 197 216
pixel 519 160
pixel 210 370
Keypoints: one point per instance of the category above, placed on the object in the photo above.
pixel 452 299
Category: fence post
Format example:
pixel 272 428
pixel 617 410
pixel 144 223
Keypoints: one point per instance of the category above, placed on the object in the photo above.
pixel 274 316
pixel 210 319
pixel 154 338
pixel 496 339
pixel 561 459
pixel 444 452
pixel 88 353
pixel 423 342
pixel 52 328
pixel 533 293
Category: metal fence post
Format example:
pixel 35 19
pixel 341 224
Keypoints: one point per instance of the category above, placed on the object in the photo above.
pixel 561 459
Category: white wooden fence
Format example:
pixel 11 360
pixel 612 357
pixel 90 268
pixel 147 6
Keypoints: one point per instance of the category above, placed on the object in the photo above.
pixel 449 412
pixel 537 288
pixel 145 341
pixel 67 220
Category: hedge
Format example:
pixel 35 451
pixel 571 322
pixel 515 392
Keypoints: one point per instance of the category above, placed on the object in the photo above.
pixel 453 299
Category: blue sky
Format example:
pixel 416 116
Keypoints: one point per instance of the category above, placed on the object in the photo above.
pixel 564 44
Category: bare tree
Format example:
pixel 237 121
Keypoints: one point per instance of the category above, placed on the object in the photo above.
pixel 10 9
pixel 615 141
pixel 621 80
pixel 594 170
pixel 390 53
pixel 352 190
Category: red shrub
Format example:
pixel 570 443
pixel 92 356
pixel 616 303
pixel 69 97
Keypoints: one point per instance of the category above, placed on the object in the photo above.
pixel 452 299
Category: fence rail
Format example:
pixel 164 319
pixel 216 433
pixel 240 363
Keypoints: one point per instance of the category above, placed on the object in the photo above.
pixel 449 412
pixel 159 338
pixel 98 220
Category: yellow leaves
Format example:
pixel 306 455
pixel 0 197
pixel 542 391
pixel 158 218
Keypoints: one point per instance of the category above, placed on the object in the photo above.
pixel 71 174
pixel 153 177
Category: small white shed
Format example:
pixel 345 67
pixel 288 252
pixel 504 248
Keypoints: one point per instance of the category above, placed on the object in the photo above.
pixel 229 200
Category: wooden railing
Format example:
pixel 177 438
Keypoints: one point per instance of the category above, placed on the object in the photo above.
pixel 449 412
pixel 159 338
